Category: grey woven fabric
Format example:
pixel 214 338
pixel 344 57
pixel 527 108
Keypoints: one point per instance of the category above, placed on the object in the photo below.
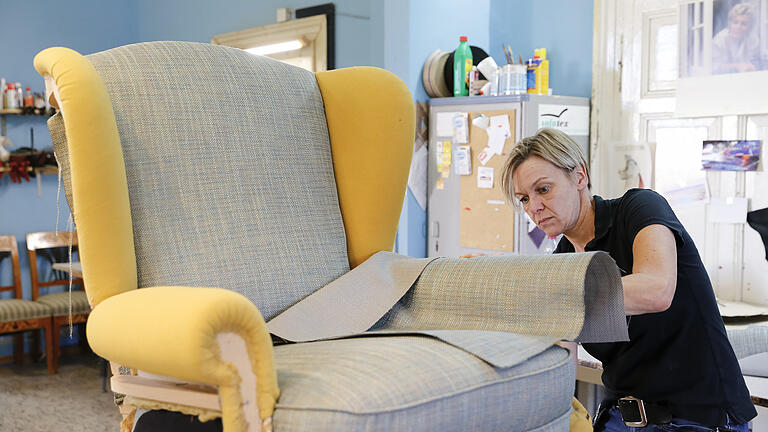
pixel 59 303
pixel 230 175
pixel 59 139
pixel 419 384
pixel 565 296
pixel 514 307
pixel 16 310
pixel 748 340
pixel 352 303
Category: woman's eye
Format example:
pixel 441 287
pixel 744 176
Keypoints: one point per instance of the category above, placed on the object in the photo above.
pixel 524 200
pixel 544 189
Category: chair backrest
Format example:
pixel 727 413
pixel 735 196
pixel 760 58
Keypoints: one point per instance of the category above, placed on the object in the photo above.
pixel 48 240
pixel 8 244
pixel 229 171
pixel 213 167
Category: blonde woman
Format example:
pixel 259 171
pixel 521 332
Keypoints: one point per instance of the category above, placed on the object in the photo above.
pixel 678 371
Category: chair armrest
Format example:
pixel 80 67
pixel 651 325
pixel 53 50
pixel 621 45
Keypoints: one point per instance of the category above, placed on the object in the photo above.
pixel 176 332
pixel 575 296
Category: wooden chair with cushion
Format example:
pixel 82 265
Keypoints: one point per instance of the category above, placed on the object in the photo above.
pixel 58 302
pixel 18 315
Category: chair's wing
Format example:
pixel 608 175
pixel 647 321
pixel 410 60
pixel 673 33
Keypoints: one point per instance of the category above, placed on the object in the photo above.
pixel 370 116
pixel 99 192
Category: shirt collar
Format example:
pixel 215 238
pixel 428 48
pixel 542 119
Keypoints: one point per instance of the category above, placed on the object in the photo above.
pixel 603 219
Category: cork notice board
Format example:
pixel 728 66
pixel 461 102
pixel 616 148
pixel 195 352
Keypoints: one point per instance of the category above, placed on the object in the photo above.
pixel 486 221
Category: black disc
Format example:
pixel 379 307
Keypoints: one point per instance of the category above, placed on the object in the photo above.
pixel 478 55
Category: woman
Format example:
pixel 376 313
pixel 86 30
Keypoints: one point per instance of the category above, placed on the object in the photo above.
pixel 678 368
pixel 735 48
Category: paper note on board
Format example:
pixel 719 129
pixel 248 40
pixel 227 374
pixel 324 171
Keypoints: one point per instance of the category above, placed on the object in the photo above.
pixel 485 155
pixel 485 177
pixel 460 128
pixel 498 132
pixel 463 160
pixel 444 126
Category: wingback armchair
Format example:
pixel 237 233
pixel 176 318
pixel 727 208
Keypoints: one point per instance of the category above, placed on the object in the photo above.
pixel 213 190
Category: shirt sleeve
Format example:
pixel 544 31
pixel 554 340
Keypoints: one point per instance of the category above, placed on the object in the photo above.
pixel 643 207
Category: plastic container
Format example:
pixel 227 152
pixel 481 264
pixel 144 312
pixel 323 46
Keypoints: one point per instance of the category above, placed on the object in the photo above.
pixel 462 64
pixel 532 72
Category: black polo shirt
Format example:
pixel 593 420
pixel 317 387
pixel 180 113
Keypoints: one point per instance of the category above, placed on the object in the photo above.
pixel 680 357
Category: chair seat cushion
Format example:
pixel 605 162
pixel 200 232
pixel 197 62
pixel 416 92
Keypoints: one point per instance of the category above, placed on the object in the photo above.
pixel 416 383
pixel 16 310
pixel 59 303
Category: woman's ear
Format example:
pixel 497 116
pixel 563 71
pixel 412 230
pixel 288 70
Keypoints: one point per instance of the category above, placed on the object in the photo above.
pixel 580 177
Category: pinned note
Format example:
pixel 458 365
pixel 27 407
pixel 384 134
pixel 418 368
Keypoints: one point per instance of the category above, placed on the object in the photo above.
pixel 444 126
pixel 485 155
pixel 485 177
pixel 460 128
pixel 463 160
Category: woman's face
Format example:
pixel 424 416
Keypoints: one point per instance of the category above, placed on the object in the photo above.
pixel 549 195
pixel 739 26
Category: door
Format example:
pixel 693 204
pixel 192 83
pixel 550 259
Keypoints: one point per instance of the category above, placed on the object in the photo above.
pixel 636 65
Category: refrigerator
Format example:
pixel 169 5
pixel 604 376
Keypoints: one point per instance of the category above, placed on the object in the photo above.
pixel 466 209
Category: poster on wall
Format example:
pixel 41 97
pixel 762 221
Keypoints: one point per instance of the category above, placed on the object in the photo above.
pixel 722 37
pixel 723 57
pixel 631 167
pixel 733 155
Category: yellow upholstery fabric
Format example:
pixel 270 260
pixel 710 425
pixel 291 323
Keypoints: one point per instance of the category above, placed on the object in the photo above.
pixel 358 106
pixel 580 421
pixel 124 329
pixel 99 188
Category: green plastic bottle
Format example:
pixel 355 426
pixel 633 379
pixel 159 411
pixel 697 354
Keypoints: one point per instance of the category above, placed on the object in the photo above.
pixel 462 64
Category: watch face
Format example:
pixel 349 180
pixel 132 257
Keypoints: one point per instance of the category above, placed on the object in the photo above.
pixel 630 410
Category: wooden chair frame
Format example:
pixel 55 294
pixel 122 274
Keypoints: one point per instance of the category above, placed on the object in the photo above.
pixel 48 240
pixel 8 244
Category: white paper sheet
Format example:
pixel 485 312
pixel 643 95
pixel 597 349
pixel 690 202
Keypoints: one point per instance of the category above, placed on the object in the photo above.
pixel 463 160
pixel 417 177
pixel 727 210
pixel 460 128
pixel 485 155
pixel 485 177
pixel 444 126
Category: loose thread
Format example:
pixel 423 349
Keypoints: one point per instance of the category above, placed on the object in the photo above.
pixel 69 228
pixel 58 192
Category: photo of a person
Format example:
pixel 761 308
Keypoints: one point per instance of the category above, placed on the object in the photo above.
pixel 736 48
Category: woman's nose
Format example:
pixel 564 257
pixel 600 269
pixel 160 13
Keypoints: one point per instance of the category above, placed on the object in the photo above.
pixel 536 205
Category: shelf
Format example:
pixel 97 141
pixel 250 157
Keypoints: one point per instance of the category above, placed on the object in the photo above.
pixel 48 169
pixel 19 111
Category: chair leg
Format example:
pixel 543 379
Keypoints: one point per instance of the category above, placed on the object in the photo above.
pixel 34 349
pixel 18 349
pixel 56 345
pixel 49 350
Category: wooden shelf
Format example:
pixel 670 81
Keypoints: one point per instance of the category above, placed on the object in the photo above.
pixel 48 169
pixel 19 111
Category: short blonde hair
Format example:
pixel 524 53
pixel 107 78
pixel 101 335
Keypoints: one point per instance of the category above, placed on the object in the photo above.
pixel 549 144
pixel 742 9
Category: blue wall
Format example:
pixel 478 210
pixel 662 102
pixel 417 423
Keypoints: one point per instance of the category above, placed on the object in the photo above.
pixel 87 26
pixel 199 20
pixel 564 27
pixel 428 28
